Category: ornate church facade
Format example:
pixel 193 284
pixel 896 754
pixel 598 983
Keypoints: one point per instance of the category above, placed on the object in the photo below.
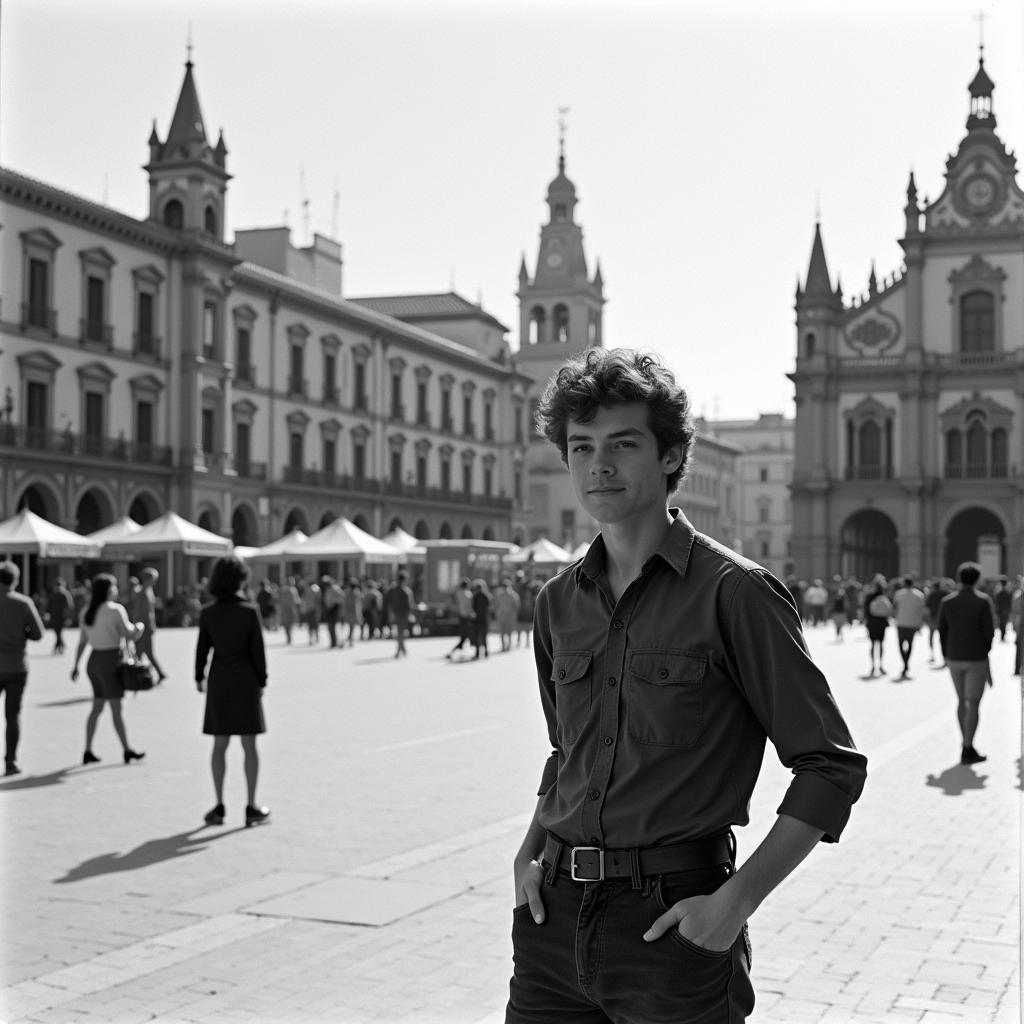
pixel 909 437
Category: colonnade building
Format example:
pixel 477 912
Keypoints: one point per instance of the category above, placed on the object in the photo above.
pixel 149 365
pixel 909 436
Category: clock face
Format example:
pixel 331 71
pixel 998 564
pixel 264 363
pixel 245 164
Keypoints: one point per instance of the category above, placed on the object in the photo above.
pixel 554 260
pixel 979 192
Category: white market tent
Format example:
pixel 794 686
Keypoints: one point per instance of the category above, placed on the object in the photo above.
pixel 29 534
pixel 540 552
pixel 343 539
pixel 580 550
pixel 121 529
pixel 407 543
pixel 275 550
pixel 168 535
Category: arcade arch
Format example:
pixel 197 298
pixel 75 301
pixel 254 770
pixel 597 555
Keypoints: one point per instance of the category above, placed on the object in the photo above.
pixel 868 544
pixel 968 533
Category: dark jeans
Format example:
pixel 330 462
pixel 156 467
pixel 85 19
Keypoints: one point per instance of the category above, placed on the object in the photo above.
pixel 906 635
pixel 13 686
pixel 587 963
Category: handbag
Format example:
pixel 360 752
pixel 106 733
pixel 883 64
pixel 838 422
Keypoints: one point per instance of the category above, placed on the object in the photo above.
pixel 135 672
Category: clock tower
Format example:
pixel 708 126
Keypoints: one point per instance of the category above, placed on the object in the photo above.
pixel 560 314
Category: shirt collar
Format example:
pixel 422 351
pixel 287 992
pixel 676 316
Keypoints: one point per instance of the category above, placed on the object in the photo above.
pixel 675 548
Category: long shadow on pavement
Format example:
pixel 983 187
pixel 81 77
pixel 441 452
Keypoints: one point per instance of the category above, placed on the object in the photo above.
pixel 954 781
pixel 153 851
pixel 67 702
pixel 55 778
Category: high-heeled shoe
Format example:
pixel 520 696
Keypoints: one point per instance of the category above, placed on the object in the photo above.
pixel 89 758
pixel 216 816
pixel 131 755
pixel 255 815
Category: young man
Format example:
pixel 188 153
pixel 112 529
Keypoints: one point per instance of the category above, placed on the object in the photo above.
pixel 665 661
pixel 60 608
pixel 19 622
pixel 967 625
pixel 910 607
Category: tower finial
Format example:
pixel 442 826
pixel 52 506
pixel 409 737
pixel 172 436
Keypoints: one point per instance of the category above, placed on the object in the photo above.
pixel 188 46
pixel 980 19
pixel 562 111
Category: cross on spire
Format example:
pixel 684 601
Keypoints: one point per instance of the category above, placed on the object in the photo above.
pixel 562 125
pixel 188 45
pixel 980 19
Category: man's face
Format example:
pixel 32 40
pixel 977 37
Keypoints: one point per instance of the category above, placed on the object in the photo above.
pixel 615 467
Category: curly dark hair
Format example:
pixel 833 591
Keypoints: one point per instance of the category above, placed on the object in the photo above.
pixel 602 377
pixel 227 576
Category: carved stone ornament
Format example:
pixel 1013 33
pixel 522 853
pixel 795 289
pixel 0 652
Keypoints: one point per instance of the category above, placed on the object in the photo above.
pixel 872 334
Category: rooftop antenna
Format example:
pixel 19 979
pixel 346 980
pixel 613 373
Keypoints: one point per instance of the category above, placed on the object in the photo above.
pixel 305 205
pixel 817 207
pixel 336 211
pixel 980 19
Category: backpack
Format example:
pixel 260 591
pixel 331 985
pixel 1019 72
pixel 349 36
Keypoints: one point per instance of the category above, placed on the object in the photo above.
pixel 880 607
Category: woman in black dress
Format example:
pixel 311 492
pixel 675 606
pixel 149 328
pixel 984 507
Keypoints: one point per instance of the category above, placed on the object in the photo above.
pixel 231 628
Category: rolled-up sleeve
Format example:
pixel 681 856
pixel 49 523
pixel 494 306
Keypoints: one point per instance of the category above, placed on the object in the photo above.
pixel 791 699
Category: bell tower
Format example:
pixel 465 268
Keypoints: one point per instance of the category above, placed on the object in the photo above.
pixel 560 307
pixel 187 176
pixel 560 314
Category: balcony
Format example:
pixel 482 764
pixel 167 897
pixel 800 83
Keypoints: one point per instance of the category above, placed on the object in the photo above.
pixel 67 444
pixel 469 429
pixel 331 395
pixel 868 472
pixel 362 403
pixel 488 433
pixel 445 495
pixel 398 412
pixel 248 470
pixel 245 373
pixel 95 332
pixel 329 480
pixel 298 387
pixel 448 424
pixel 423 419
pixel 978 360
pixel 145 344
pixel 976 471
pixel 38 316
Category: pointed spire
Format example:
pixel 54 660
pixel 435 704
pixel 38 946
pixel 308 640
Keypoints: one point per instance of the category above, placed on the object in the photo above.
pixel 187 125
pixel 819 281
pixel 598 279
pixel 524 274
pixel 872 281
pixel 911 211
pixel 981 89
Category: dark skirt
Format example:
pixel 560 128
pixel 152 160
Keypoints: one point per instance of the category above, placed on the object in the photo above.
pixel 877 626
pixel 234 706
pixel 102 671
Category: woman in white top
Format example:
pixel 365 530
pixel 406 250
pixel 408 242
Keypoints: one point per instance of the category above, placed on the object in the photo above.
pixel 104 627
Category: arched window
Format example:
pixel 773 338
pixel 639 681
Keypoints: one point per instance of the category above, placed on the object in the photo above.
pixel 174 215
pixel 210 220
pixel 870 438
pixel 561 324
pixel 537 326
pixel 977 322
pixel 954 454
pixel 977 443
pixel 809 343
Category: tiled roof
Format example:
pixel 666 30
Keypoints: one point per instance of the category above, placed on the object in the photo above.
pixel 443 305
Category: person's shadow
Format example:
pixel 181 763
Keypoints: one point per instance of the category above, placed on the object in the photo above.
pixel 954 781
pixel 153 851
pixel 54 778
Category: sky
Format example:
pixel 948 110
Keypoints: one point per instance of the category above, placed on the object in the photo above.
pixel 704 139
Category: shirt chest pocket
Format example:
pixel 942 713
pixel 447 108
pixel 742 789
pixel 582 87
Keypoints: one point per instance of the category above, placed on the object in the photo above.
pixel 664 701
pixel 571 673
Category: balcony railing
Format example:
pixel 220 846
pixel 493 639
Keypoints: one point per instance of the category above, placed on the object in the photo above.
pixel 95 332
pixel 331 395
pixel 362 403
pixel 448 424
pixel 36 315
pixel 445 495
pixel 976 471
pixel 398 411
pixel 66 443
pixel 869 472
pixel 326 479
pixel 248 470
pixel 245 373
pixel 298 386
pixel 144 344
pixel 468 429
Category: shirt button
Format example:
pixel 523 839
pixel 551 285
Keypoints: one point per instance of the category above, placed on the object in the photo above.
pixel 608 741
pixel 612 680
pixel 617 623
pixel 663 674
pixel 595 794
pixel 561 673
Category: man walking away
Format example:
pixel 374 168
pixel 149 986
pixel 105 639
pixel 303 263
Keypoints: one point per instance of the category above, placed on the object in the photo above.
pixel 398 602
pixel 19 622
pixel 966 628
pixel 937 590
pixel 464 612
pixel 910 610
pixel 59 608
pixel 142 608
pixel 1003 600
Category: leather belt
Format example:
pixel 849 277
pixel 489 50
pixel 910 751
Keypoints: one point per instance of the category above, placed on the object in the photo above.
pixel 593 864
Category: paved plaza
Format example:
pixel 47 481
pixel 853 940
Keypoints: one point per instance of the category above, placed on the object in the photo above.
pixel 381 890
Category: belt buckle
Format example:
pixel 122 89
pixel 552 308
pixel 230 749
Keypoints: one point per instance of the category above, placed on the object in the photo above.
pixel 586 849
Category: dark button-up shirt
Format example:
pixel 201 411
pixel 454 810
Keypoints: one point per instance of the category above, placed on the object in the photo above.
pixel 967 624
pixel 19 621
pixel 659 705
